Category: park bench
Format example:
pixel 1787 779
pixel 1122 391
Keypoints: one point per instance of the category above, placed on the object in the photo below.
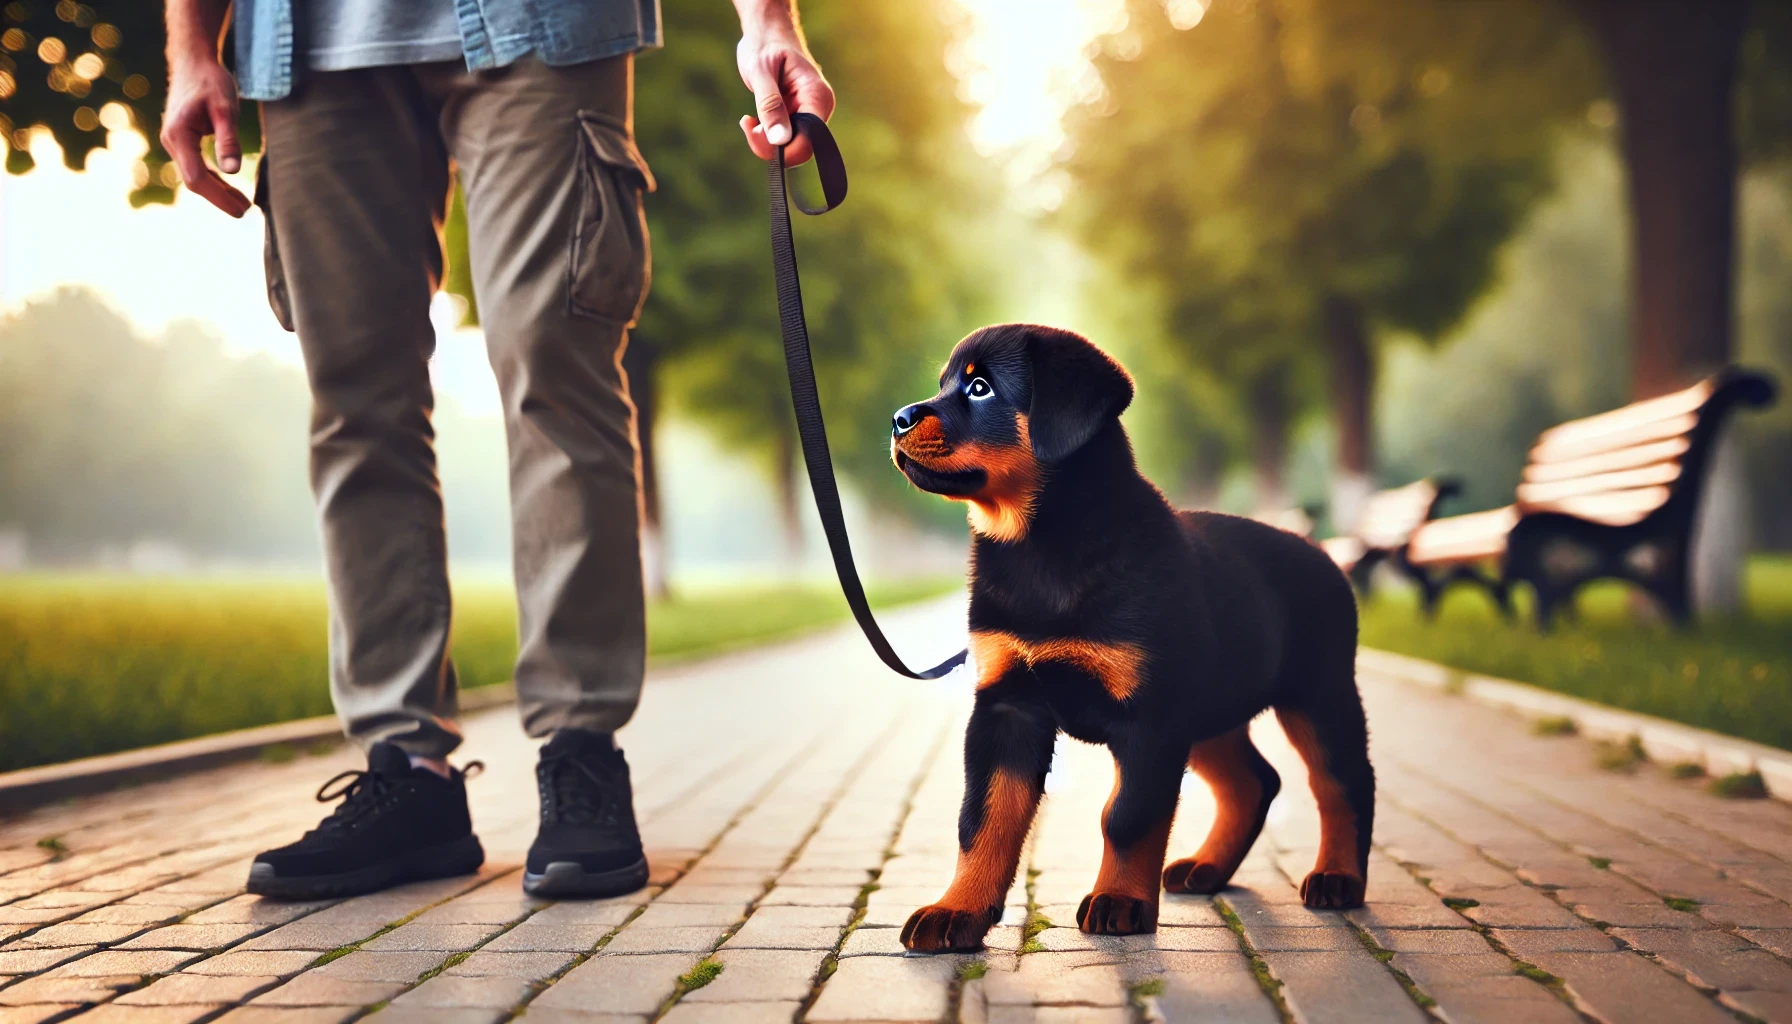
pixel 1612 496
pixel 1386 523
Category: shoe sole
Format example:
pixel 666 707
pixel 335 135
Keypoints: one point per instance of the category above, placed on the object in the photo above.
pixel 463 856
pixel 568 880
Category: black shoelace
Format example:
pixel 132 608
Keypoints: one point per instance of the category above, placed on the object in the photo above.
pixel 574 792
pixel 366 795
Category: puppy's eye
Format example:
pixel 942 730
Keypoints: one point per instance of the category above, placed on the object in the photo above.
pixel 979 388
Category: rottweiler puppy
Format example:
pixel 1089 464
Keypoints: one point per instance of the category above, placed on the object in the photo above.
pixel 1098 609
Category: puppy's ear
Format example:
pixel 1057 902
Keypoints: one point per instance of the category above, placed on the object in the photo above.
pixel 1076 388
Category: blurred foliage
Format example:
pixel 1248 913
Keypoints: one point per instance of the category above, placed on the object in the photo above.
pixel 108 439
pixel 91 665
pixel 889 279
pixel 1255 160
pixel 79 69
pixel 1733 676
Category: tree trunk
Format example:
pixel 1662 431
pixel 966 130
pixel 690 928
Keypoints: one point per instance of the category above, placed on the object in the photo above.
pixel 640 360
pixel 790 509
pixel 1269 438
pixel 1353 396
pixel 1673 68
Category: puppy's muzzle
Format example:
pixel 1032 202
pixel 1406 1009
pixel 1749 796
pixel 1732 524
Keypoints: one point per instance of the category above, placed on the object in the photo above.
pixel 908 416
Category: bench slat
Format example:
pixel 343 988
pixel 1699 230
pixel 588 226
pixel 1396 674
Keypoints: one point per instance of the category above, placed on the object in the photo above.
pixel 1465 538
pixel 1616 508
pixel 1624 427
pixel 1389 517
pixel 1581 446
pixel 1653 477
pixel 1345 552
pixel 1607 462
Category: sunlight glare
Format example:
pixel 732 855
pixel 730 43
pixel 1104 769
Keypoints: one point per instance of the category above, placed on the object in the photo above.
pixel 1024 64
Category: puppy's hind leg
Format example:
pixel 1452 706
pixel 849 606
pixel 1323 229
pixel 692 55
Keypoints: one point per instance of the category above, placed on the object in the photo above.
pixel 1243 784
pixel 1333 739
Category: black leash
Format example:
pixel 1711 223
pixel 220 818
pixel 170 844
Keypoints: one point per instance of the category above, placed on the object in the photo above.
pixel 797 359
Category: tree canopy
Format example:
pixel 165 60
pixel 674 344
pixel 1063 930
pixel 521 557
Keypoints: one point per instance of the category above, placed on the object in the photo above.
pixel 1295 175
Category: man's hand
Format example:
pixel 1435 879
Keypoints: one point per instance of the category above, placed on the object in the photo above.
pixel 202 101
pixel 775 63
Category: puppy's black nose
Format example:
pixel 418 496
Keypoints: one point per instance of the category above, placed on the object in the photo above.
pixel 908 416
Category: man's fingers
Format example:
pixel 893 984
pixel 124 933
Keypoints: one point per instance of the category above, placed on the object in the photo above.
pixel 768 96
pixel 217 191
pixel 795 153
pixel 813 95
pixel 230 152
pixel 749 126
pixel 182 143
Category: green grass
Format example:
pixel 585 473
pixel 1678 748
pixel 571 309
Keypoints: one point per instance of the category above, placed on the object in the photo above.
pixel 1740 786
pixel 94 664
pixel 1733 676
pixel 1620 757
pixel 1555 725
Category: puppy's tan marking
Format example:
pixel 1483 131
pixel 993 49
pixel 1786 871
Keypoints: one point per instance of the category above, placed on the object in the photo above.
pixel 1115 666
pixel 1224 764
pixel 1137 870
pixel 1002 510
pixel 1337 822
pixel 986 870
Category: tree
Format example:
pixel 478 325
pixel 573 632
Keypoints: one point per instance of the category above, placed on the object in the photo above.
pixel 1306 176
pixel 1694 105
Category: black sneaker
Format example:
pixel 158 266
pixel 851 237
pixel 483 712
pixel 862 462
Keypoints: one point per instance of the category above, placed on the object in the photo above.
pixel 588 845
pixel 395 824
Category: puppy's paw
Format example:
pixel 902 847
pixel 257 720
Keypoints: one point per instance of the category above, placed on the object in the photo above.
pixel 1113 913
pixel 1332 890
pixel 1194 876
pixel 943 929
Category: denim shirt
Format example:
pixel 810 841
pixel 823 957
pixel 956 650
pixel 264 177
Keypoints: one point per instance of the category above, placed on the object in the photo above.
pixel 493 32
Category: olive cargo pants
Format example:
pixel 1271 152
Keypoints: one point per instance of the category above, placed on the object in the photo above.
pixel 354 183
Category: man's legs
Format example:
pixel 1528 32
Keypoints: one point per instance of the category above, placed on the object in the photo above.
pixel 559 260
pixel 357 176
pixel 559 251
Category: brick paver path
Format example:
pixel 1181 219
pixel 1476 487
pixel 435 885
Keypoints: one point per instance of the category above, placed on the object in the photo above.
pixel 799 802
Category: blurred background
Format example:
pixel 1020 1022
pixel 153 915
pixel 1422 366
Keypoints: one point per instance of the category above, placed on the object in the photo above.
pixel 1343 245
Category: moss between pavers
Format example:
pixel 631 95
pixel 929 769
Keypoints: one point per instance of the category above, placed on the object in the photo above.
pixel 1266 979
pixel 707 970
pixel 1386 957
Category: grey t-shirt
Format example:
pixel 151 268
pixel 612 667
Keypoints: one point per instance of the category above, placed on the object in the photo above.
pixel 348 34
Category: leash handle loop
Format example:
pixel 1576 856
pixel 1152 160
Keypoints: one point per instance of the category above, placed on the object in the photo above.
pixel 799 363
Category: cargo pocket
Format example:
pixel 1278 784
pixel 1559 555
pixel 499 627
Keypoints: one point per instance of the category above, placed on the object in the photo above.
pixel 278 299
pixel 610 264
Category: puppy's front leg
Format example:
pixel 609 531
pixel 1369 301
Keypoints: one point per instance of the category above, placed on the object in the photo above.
pixel 1007 751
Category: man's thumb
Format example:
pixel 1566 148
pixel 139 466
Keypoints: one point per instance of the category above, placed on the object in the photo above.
pixel 772 113
pixel 230 153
